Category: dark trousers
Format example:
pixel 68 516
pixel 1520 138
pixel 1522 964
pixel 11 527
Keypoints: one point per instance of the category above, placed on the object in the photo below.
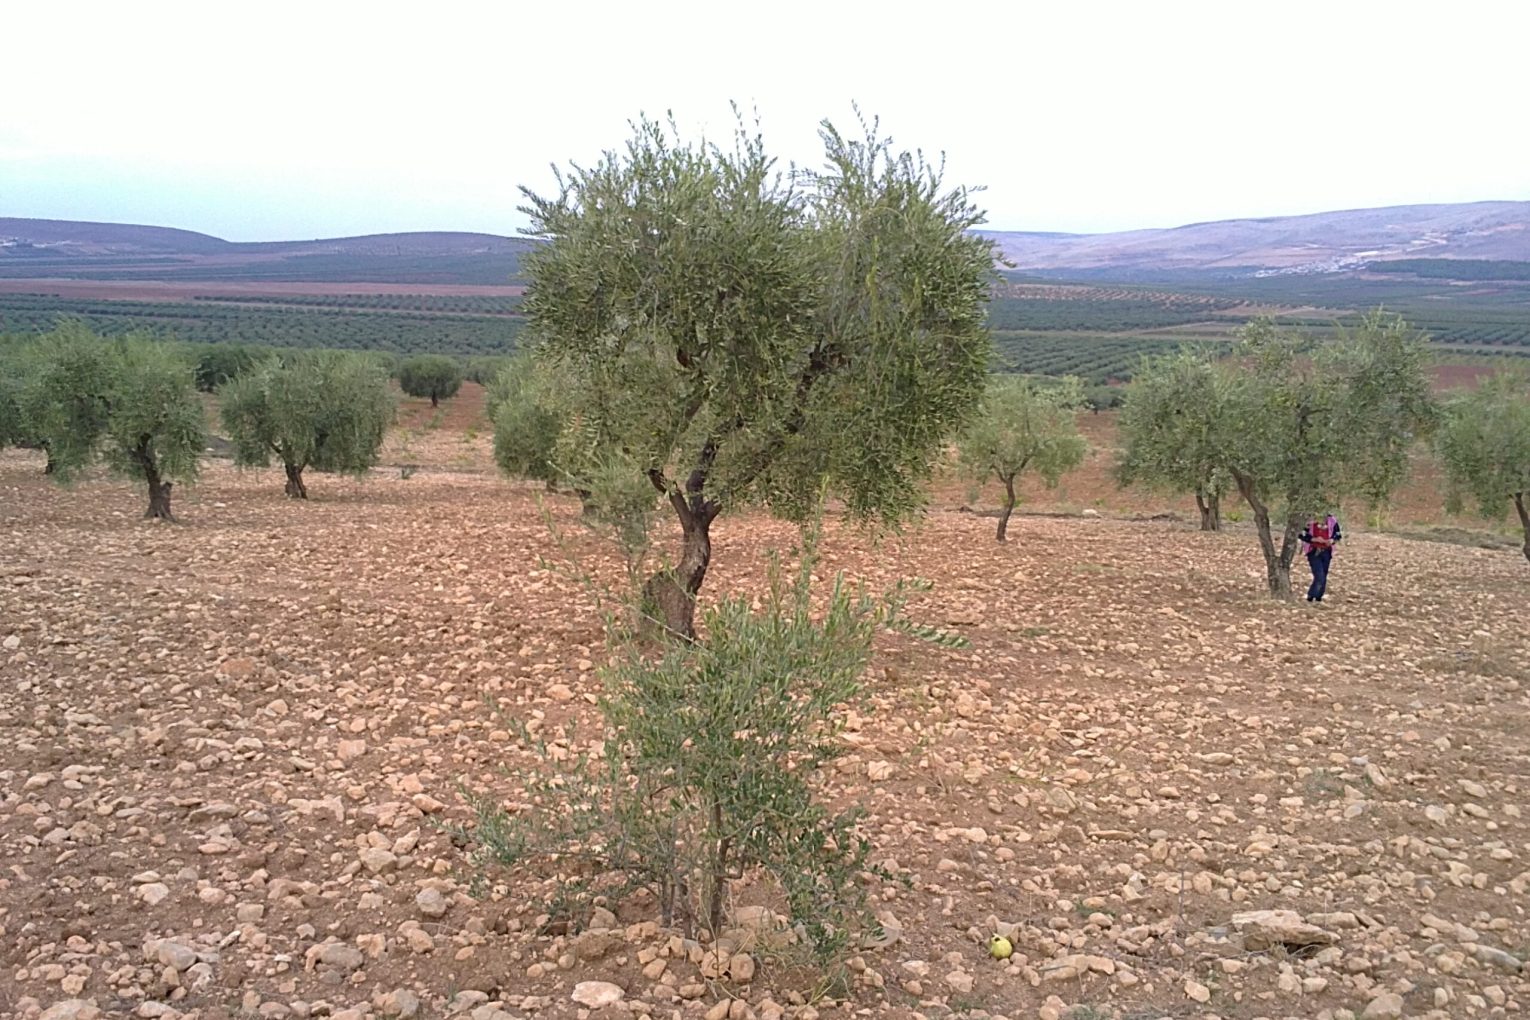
pixel 1319 561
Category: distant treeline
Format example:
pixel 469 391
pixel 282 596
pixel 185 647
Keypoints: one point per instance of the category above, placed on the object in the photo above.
pixel 1455 269
pixel 313 268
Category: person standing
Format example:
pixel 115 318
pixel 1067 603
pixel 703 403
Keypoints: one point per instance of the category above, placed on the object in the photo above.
pixel 1318 540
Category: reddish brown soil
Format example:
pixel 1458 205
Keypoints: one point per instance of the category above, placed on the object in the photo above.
pixel 241 734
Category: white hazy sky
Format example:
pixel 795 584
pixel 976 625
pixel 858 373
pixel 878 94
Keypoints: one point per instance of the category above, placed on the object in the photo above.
pixel 285 120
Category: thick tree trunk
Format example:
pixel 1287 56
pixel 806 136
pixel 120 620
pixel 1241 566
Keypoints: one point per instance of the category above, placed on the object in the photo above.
pixel 435 401
pixel 159 488
pixel 1009 506
pixel 159 492
pixel 1524 520
pixel 295 488
pixel 669 596
pixel 159 502
pixel 1210 506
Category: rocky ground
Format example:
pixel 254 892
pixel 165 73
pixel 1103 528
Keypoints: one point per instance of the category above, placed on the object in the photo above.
pixel 228 747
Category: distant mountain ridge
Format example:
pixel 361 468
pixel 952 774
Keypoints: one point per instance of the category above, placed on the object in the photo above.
pixel 1326 242
pixel 1312 243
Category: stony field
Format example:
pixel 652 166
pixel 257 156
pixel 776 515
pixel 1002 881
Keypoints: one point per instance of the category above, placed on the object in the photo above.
pixel 228 748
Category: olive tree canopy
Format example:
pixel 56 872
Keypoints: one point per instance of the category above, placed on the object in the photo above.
pixel 747 336
pixel 132 402
pixel 328 410
pixel 1485 445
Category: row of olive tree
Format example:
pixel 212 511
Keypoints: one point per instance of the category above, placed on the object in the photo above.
pixel 1297 425
pixel 132 403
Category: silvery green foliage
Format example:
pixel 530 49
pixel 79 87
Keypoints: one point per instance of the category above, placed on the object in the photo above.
pixel 130 402
pixel 1169 426
pixel 325 410
pixel 742 335
pixel 430 375
pixel 1298 424
pixel 1024 425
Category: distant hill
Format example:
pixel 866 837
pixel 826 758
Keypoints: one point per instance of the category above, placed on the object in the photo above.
pixel 1320 243
pixel 61 249
pixel 70 238
pixel 35 238
pixel 1317 243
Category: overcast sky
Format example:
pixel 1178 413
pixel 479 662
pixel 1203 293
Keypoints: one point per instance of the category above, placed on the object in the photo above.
pixel 296 120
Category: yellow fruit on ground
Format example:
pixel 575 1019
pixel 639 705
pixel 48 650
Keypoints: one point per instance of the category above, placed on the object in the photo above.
pixel 999 947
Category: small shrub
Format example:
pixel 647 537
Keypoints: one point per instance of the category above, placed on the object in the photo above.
pixel 706 774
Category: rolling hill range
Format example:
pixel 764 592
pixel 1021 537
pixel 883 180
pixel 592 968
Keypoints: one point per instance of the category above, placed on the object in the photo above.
pixel 1319 243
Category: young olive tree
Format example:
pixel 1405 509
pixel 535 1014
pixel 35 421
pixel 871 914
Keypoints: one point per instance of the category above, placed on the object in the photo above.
pixel 1303 424
pixel 1169 428
pixel 131 401
pixel 711 762
pixel 1023 426
pixel 326 410
pixel 430 375
pixel 1485 446
pixel 747 337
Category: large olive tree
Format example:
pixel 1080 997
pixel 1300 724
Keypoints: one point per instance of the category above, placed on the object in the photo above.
pixel 747 336
pixel 326 410
pixel 1304 423
pixel 132 402
pixel 1485 445
pixel 1023 426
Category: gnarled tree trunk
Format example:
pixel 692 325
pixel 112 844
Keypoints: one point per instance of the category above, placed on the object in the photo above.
pixel 1009 506
pixel 1524 520
pixel 669 596
pixel 1210 506
pixel 435 401
pixel 295 488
